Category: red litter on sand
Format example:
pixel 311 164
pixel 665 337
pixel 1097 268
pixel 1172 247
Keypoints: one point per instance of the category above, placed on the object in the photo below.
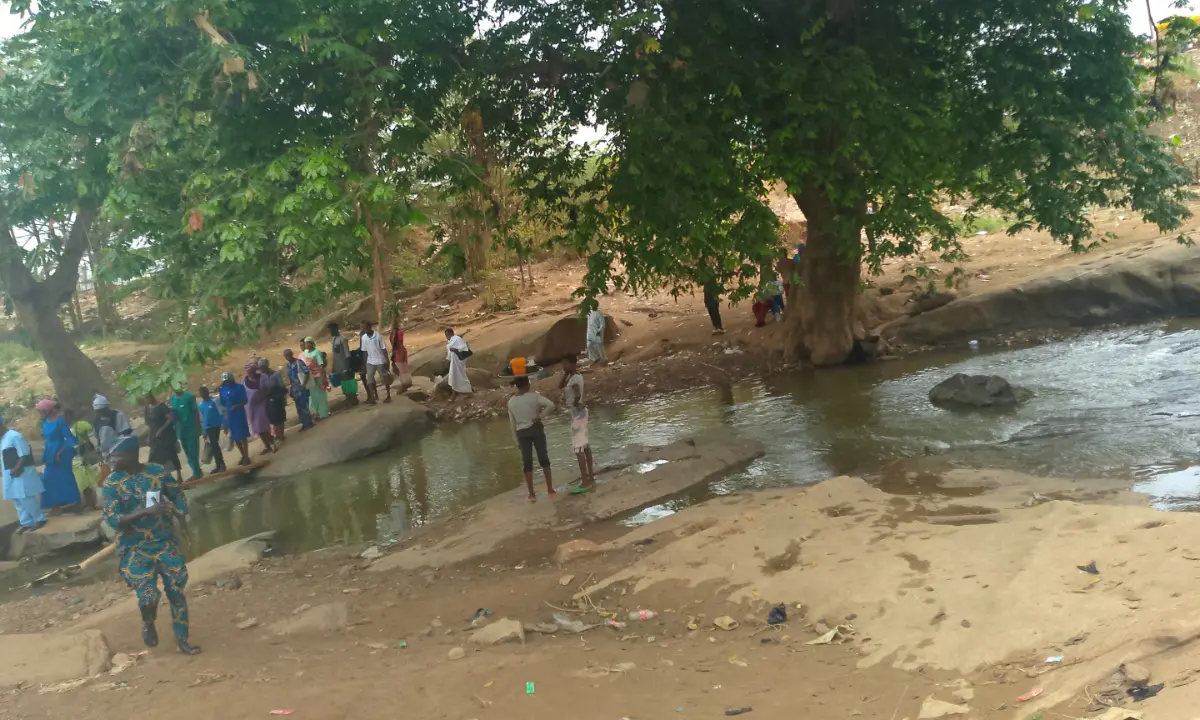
pixel 282 712
pixel 1030 695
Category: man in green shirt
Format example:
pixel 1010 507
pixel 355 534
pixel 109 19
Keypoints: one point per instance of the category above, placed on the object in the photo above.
pixel 187 426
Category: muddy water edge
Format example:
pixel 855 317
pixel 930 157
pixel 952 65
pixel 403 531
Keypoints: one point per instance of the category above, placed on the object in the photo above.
pixel 1118 403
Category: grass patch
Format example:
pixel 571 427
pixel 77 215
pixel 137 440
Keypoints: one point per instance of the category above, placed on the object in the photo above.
pixel 991 223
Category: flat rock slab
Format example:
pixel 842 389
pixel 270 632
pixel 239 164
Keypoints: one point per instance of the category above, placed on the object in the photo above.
pixel 39 659
pixel 61 532
pixel 651 475
pixel 352 434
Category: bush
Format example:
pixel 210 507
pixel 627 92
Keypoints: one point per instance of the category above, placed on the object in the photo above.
pixel 499 292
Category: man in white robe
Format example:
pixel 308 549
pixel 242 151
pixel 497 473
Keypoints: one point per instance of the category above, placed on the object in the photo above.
pixel 457 352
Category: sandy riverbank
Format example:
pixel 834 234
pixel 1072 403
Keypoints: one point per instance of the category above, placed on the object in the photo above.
pixel 953 580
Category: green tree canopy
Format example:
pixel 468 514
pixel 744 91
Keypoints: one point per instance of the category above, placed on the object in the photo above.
pixel 1032 108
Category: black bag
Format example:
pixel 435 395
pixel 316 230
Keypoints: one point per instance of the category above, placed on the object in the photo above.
pixel 358 361
pixel 464 354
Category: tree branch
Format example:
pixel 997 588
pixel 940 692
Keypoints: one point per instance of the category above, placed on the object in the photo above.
pixel 61 283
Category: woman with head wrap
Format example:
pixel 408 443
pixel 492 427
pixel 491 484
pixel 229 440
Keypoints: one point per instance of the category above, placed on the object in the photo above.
pixel 233 405
pixel 107 425
pixel 256 405
pixel 276 398
pixel 57 456
pixel 319 392
pixel 86 464
pixel 140 504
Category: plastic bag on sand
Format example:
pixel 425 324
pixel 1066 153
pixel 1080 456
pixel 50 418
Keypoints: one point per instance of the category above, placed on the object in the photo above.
pixel 570 624
pixel 839 634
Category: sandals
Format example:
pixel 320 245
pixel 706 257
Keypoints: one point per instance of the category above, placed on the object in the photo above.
pixel 581 490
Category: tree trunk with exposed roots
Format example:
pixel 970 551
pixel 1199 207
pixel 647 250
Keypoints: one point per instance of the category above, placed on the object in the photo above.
pixel 821 318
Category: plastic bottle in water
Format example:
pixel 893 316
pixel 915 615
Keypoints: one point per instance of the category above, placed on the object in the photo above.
pixel 642 615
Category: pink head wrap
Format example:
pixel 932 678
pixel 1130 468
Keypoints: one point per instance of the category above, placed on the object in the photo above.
pixel 46 404
pixel 252 364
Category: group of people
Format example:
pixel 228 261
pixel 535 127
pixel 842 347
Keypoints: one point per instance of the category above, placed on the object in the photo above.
pixel 72 467
pixel 257 406
pixel 75 456
pixel 770 298
pixel 527 411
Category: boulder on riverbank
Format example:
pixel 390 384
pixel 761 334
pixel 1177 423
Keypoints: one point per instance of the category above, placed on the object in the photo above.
pixel 352 434
pixel 548 339
pixel 650 475
pixel 977 391
pixel 1135 286
pixel 61 532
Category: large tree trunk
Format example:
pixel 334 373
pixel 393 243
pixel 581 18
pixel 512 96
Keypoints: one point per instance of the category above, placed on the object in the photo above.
pixel 76 378
pixel 820 321
pixel 378 283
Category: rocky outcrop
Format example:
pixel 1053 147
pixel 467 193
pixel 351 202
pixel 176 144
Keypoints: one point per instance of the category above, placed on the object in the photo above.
pixel 355 434
pixel 977 391
pixel 40 659
pixel 61 532
pixel 1134 287
pixel 548 339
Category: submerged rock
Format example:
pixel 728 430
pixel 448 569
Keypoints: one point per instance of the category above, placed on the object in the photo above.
pixel 977 391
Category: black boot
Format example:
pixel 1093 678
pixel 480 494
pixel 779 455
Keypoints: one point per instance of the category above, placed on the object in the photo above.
pixel 186 648
pixel 149 632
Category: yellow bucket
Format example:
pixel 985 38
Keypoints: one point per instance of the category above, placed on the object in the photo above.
pixel 518 365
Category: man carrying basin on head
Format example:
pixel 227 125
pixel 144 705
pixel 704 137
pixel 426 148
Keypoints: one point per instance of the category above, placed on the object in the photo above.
pixel 140 503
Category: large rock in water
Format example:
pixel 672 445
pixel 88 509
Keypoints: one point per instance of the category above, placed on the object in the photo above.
pixel 350 435
pixel 977 391
pixel 44 658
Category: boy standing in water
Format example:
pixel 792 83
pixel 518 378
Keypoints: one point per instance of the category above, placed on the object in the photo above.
pixel 572 387
pixel 525 413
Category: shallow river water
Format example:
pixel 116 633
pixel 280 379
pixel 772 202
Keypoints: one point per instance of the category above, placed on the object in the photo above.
pixel 1117 403
pixel 1114 403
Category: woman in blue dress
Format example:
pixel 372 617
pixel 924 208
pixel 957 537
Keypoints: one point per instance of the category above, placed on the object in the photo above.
pixel 58 477
pixel 233 406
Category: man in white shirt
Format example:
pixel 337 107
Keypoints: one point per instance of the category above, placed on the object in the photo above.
pixel 373 345
pixel 457 353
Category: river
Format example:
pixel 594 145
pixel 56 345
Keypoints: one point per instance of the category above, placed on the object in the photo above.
pixel 1115 403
